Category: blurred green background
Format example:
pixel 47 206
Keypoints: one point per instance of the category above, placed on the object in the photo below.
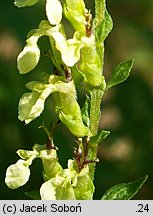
pixel 127 110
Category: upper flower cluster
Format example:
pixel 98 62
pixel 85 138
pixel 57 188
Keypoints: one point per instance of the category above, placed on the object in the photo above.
pixel 74 59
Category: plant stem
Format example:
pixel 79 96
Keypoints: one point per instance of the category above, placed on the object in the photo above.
pixel 95 113
pixel 99 11
pixel 96 96
pixel 96 93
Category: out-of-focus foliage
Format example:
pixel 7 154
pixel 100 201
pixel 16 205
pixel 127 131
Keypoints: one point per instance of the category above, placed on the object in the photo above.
pixel 127 109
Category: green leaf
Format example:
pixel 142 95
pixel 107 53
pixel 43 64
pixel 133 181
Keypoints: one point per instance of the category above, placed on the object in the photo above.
pixel 34 195
pixel 24 3
pixel 104 28
pixel 85 111
pixel 99 137
pixel 17 174
pixel 120 74
pixel 124 191
pixel 54 11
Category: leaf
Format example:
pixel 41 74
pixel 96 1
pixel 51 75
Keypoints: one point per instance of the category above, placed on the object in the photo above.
pixel 17 174
pixel 124 191
pixel 54 11
pixel 99 137
pixel 34 195
pixel 104 28
pixel 120 74
pixel 24 3
pixel 85 111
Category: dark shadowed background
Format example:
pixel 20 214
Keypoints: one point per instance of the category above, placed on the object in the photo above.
pixel 127 110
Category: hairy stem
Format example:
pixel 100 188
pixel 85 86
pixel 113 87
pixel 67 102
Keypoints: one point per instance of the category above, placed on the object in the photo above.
pixel 96 93
pixel 95 113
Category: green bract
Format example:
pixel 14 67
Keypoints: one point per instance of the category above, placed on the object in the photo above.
pixel 54 11
pixel 24 3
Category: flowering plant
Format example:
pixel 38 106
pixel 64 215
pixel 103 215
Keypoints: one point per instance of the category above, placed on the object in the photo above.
pixel 77 63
